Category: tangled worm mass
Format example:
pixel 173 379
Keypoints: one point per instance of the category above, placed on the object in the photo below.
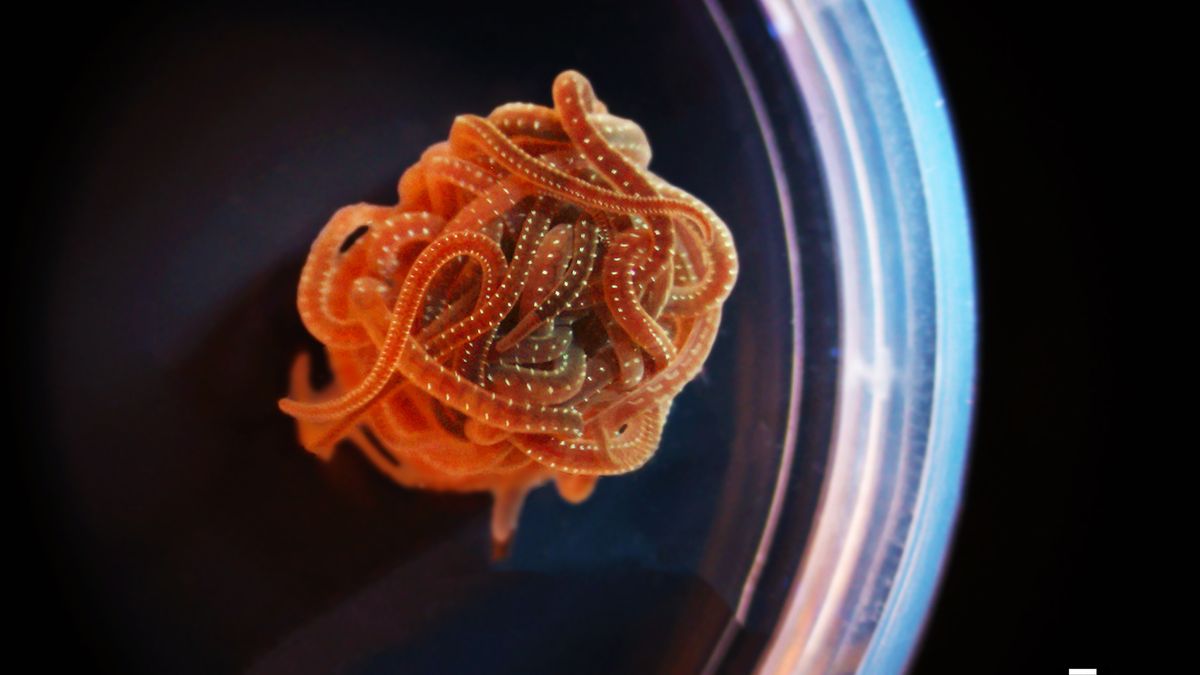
pixel 527 311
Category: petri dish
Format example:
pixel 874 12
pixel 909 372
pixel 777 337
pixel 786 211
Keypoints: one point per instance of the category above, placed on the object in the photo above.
pixel 797 513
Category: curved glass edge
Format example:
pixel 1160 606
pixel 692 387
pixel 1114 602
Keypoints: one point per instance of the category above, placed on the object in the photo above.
pixel 891 496
pixel 935 513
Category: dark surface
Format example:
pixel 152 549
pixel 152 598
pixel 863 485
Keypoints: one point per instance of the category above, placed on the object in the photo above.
pixel 1041 576
pixel 183 163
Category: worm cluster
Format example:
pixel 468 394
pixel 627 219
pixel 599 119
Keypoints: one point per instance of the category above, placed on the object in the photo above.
pixel 526 312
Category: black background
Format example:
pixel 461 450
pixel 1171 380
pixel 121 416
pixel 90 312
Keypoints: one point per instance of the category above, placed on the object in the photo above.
pixel 1040 578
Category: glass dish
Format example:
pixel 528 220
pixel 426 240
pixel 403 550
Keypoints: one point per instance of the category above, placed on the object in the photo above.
pixel 798 511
